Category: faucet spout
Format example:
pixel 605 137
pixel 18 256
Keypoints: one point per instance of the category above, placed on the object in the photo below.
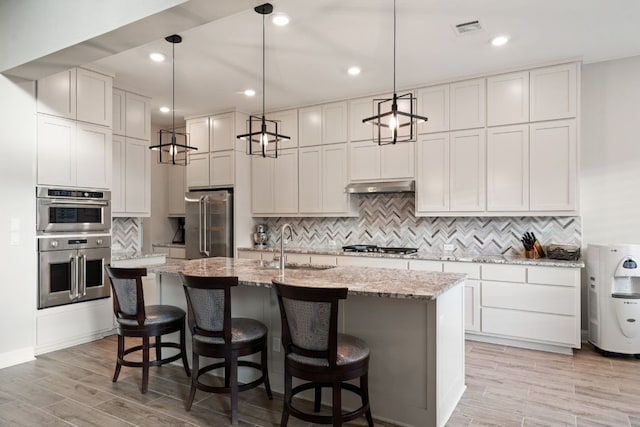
pixel 282 255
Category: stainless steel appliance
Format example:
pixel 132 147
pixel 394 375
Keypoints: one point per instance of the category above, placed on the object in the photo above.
pixel 260 236
pixel 72 210
pixel 379 249
pixel 209 224
pixel 71 268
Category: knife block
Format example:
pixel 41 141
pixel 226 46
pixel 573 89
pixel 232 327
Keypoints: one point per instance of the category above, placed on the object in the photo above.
pixel 531 253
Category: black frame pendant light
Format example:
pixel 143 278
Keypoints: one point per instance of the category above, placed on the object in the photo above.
pixel 263 134
pixel 388 108
pixel 173 146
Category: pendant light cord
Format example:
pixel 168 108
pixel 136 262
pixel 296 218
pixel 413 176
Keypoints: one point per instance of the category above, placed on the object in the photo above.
pixel 394 46
pixel 263 62
pixel 173 90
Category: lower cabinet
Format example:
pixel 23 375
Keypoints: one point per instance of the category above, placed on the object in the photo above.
pixel 131 191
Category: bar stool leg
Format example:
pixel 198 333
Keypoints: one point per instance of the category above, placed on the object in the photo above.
pixel 234 389
pixel 317 398
pixel 364 388
pixel 120 357
pixel 194 381
pixel 158 348
pixel 265 372
pixel 145 364
pixel 183 350
pixel 337 404
pixel 287 396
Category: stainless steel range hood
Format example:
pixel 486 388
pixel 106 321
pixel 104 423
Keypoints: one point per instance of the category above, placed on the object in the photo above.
pixel 381 187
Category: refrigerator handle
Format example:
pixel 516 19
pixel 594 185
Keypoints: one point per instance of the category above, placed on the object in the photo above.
pixel 206 226
pixel 200 219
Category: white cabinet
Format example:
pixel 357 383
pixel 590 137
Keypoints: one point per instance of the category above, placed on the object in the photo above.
pixel 322 179
pixel 360 109
pixel 553 92
pixel 432 173
pixel 508 99
pixel 176 184
pixel 57 94
pixel 323 124
pixel 553 159
pixel 73 154
pixel 310 126
pixel 134 167
pixel 222 132
pixel 288 126
pixel 137 116
pixel 433 103
pixel 117 183
pixel 198 170
pixel 118 116
pixel 467 104
pixel 93 97
pixel 472 287
pixel 221 168
pixel 508 168
pixel 274 184
pixel 198 130
pixel 370 161
pixel 467 171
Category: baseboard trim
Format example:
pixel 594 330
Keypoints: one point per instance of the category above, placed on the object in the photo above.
pixel 16 357
pixel 59 345
pixel 520 343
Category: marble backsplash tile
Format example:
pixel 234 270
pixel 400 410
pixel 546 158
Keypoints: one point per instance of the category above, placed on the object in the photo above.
pixel 389 220
pixel 126 239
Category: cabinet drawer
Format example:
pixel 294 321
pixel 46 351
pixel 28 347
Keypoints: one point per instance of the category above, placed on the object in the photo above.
pixel 504 273
pixel 471 270
pixel 521 296
pixel 372 262
pixel 298 258
pixel 323 260
pixel 424 265
pixel 554 276
pixel 249 255
pixel 531 326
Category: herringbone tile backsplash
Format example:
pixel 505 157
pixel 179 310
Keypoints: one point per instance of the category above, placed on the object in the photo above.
pixel 389 220
pixel 125 237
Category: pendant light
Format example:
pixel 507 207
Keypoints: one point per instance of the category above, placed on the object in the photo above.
pixel 388 115
pixel 172 146
pixel 263 137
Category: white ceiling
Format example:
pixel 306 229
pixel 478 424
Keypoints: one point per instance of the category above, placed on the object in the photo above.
pixel 307 60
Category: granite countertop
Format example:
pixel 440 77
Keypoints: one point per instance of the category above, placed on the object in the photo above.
pixel 429 256
pixel 382 282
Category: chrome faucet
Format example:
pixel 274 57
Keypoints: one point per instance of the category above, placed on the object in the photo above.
pixel 282 255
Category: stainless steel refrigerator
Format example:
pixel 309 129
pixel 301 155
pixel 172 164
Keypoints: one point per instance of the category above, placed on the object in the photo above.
pixel 209 224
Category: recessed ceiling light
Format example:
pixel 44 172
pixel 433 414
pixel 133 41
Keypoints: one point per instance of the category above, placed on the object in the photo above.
pixel 156 57
pixel 165 109
pixel 499 40
pixel 249 92
pixel 353 71
pixel 280 19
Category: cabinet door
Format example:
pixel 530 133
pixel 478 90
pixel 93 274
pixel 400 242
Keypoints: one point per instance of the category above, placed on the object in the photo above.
pixel 335 177
pixel 433 103
pixel 137 172
pixel 360 109
pixel 396 160
pixel 310 126
pixel 553 160
pixel 56 151
pixel 432 173
pixel 467 104
pixel 285 182
pixel 221 168
pixel 288 126
pixel 176 191
pixel 310 180
pixel 222 136
pixel 467 176
pixel 262 191
pixel 198 130
pixel 137 116
pixel 508 99
pixel 508 168
pixel 57 94
pixel 117 181
pixel 334 122
pixel 553 92
pixel 198 170
pixel 472 305
pixel 94 97
pixel 117 116
pixel 364 160
pixel 93 156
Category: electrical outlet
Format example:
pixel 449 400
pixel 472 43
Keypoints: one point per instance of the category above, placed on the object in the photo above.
pixel 448 247
pixel 276 344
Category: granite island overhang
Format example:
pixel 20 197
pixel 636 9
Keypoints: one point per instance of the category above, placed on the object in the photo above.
pixel 413 322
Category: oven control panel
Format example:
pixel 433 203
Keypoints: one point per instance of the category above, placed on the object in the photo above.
pixel 61 243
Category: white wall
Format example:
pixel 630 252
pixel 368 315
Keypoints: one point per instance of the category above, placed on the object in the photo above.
pixel 18 255
pixel 610 169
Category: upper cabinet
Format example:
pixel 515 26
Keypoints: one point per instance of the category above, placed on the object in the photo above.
pixel 370 161
pixel 118 118
pixel 274 184
pixel 553 92
pixel 508 168
pixel 137 116
pixel 198 131
pixel 360 109
pixel 467 104
pixel 323 124
pixel 77 94
pixel 508 99
pixel 433 103
pixel 175 198
pixel 310 126
pixel 222 132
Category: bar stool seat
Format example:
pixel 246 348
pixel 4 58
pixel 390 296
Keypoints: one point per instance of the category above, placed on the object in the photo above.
pixel 242 331
pixel 156 315
pixel 350 350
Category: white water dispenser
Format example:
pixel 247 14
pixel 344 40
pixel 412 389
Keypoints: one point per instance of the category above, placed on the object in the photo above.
pixel 614 298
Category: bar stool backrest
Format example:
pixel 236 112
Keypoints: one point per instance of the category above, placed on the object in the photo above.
pixel 128 297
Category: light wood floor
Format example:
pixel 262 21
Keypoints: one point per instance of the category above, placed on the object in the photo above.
pixel 505 387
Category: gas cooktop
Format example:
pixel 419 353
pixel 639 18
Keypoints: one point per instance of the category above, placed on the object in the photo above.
pixel 379 249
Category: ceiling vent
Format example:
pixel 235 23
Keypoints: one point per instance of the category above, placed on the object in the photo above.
pixel 468 27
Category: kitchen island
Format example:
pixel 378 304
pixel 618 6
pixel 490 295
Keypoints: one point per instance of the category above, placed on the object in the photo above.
pixel 413 322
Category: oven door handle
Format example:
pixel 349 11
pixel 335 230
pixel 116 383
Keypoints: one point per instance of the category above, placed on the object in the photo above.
pixel 82 267
pixel 73 292
pixel 74 202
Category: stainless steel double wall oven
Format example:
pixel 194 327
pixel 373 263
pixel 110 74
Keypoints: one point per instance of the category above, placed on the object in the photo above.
pixel 74 245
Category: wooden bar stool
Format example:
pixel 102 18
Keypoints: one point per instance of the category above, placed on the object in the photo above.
pixel 315 352
pixel 137 320
pixel 215 334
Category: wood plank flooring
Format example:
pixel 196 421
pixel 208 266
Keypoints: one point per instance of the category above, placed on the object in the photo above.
pixel 506 386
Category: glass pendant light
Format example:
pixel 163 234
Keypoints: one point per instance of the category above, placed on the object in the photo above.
pixel 173 147
pixel 264 135
pixel 389 116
